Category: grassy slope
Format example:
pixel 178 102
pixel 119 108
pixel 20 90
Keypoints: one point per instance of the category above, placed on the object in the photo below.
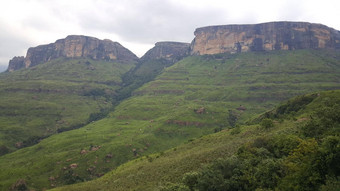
pixel 155 171
pixel 40 100
pixel 161 114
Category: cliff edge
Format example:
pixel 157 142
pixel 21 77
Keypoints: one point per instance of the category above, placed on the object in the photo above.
pixel 73 46
pixel 263 37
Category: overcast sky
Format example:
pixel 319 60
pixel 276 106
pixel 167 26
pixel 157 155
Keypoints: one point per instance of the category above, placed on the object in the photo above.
pixel 139 24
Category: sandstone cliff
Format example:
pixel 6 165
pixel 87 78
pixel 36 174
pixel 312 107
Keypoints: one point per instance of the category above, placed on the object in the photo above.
pixel 265 36
pixel 73 46
pixel 167 50
pixel 16 63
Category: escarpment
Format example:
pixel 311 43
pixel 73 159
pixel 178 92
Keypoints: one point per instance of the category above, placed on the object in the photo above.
pixel 73 46
pixel 264 37
pixel 167 50
pixel 208 40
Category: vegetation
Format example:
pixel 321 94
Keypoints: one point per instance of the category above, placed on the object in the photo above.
pixel 144 72
pixel 289 161
pixel 196 96
pixel 54 97
pixel 279 158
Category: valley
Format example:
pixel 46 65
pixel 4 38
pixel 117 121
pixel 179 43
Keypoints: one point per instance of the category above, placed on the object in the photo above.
pixel 87 114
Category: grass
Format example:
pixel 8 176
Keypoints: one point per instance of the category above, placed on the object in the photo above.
pixel 155 171
pixel 162 115
pixel 50 97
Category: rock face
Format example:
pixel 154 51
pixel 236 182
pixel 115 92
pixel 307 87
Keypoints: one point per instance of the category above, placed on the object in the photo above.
pixel 167 50
pixel 264 37
pixel 16 63
pixel 74 46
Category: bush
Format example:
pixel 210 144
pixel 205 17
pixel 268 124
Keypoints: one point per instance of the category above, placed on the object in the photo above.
pixel 267 123
pixel 3 150
pixel 325 120
pixel 190 179
pixel 235 130
pixel 97 116
pixel 232 118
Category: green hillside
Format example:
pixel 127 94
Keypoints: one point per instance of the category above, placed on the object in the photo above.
pixel 54 97
pixel 290 154
pixel 198 95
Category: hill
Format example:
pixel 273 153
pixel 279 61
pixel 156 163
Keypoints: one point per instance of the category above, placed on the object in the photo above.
pixel 196 96
pixel 59 95
pixel 161 56
pixel 58 87
pixel 298 151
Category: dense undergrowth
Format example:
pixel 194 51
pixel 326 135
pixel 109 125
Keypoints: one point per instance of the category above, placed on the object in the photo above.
pixel 307 159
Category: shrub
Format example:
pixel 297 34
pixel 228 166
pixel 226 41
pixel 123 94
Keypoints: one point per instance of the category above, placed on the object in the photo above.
pixel 3 150
pixel 267 123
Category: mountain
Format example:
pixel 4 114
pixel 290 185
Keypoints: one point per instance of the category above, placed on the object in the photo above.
pixel 154 61
pixel 72 89
pixel 59 86
pixel 168 50
pixel 73 46
pixel 78 118
pixel 196 96
pixel 264 37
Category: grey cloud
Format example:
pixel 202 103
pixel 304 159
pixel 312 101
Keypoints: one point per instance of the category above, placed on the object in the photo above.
pixel 11 45
pixel 150 21
pixel 138 21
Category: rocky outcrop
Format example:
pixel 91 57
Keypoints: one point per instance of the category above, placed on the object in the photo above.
pixel 74 46
pixel 167 50
pixel 264 37
pixel 16 63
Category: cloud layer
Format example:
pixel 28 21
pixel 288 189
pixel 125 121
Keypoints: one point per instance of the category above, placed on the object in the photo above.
pixel 138 24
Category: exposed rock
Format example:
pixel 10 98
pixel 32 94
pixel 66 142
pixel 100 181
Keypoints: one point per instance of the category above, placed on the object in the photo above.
pixel 91 169
pixel 16 63
pixel 167 50
pixel 83 151
pixel 264 37
pixel 19 185
pixel 51 178
pixel 95 148
pixel 19 145
pixel 74 46
pixel 241 108
pixel 200 110
pixel 73 166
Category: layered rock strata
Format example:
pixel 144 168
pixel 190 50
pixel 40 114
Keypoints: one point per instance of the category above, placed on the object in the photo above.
pixel 264 37
pixel 73 46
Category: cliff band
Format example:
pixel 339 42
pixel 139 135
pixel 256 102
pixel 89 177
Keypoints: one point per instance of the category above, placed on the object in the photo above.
pixel 73 46
pixel 263 37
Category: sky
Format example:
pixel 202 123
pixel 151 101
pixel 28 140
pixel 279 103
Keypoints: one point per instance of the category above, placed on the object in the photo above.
pixel 139 24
